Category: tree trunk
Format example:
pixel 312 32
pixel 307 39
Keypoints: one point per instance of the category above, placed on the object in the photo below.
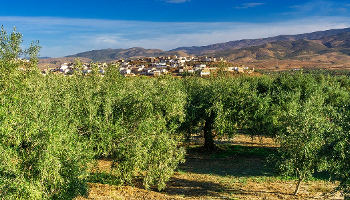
pixel 208 134
pixel 298 186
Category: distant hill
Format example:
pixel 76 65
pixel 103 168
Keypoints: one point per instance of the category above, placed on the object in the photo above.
pixel 202 50
pixel 115 54
pixel 55 62
pixel 302 49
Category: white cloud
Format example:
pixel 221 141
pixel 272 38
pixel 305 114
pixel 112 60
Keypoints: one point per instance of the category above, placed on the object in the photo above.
pixel 176 1
pixel 249 5
pixel 66 36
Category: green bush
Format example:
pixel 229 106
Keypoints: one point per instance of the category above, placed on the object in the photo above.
pixel 42 157
pixel 135 122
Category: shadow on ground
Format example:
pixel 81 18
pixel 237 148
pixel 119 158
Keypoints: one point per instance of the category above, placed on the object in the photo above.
pixel 222 174
pixel 230 160
pixel 191 188
pixel 236 161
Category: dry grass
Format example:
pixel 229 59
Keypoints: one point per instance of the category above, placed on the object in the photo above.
pixel 327 61
pixel 237 171
pixel 249 141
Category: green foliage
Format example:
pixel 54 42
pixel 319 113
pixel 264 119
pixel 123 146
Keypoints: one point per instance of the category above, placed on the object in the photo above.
pixel 41 156
pixel 132 121
pixel 10 45
pixel 306 113
pixel 301 137
pixel 52 127
pixel 232 105
pixel 136 126
pixel 150 152
pixel 335 152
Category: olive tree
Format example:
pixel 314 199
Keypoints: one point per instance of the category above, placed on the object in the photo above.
pixel 150 112
pixel 335 152
pixel 225 106
pixel 303 122
pixel 200 108
pixel 41 157
pixel 132 121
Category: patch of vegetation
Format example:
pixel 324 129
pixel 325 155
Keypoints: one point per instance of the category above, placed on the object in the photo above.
pixel 104 178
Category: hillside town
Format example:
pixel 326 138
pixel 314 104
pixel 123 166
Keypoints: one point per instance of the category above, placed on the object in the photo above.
pixel 157 66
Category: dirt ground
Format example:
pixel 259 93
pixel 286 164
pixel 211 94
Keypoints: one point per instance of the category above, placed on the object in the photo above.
pixel 238 171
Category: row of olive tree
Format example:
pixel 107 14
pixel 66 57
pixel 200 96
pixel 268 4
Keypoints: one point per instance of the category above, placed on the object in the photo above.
pixel 133 121
pixel 312 126
pixel 53 127
pixel 307 114
pixel 41 157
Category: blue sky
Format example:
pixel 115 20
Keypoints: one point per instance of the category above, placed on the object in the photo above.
pixel 67 27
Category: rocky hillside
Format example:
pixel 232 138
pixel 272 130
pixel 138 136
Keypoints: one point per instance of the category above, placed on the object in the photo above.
pixel 302 49
pixel 202 50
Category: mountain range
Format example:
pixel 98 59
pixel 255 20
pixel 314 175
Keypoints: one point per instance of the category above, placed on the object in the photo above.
pixel 238 44
pixel 331 46
pixel 300 49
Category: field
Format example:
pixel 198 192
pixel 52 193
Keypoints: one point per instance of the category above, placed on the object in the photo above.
pixel 289 64
pixel 237 171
